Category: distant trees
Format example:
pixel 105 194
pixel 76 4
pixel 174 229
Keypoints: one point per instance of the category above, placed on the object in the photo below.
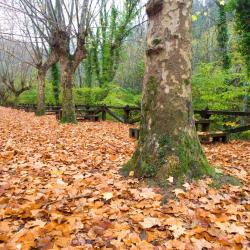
pixel 15 70
pixel 130 72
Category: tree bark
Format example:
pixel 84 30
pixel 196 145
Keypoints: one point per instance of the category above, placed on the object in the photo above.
pixel 41 92
pixel 168 144
pixel 68 106
pixel 42 71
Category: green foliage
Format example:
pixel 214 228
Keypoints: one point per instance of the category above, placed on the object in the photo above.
pixel 111 94
pixel 87 95
pixel 27 97
pixel 219 180
pixel 218 89
pixel 121 97
pixel 30 96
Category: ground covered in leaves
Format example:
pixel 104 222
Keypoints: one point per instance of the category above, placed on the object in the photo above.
pixel 60 189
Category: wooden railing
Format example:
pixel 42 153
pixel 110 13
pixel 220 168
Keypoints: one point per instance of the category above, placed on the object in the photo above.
pixel 126 114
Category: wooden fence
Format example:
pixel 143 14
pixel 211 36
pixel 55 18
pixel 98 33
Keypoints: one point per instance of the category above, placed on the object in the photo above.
pixel 131 114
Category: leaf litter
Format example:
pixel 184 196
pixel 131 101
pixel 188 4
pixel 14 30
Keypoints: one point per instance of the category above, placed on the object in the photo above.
pixel 60 188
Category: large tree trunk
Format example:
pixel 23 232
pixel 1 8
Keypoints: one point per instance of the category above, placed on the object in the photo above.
pixel 168 144
pixel 68 106
pixel 41 92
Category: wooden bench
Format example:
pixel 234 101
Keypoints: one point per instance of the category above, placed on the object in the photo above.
pixel 50 112
pixel 218 136
pixel 59 114
pixel 93 118
pixel 204 124
pixel 80 117
pixel 134 133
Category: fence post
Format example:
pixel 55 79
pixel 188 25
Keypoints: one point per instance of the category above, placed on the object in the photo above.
pixel 104 113
pixel 126 113
pixel 59 114
pixel 205 114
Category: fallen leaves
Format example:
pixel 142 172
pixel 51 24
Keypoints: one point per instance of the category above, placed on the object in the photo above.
pixel 149 222
pixel 107 196
pixel 60 188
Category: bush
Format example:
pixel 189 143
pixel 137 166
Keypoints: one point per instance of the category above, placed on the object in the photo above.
pixel 90 95
pixel 118 96
pixel 110 94
pixel 218 89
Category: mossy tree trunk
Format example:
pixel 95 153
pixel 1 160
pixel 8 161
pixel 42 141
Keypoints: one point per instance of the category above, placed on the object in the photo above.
pixel 42 69
pixel 168 144
pixel 106 42
pixel 222 36
pixel 55 73
pixel 41 75
pixel 68 106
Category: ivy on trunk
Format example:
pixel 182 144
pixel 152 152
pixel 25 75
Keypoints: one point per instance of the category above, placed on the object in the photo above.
pixel 106 42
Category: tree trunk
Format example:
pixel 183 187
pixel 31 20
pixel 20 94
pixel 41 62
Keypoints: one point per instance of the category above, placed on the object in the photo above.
pixel 168 144
pixel 222 37
pixel 41 92
pixel 68 106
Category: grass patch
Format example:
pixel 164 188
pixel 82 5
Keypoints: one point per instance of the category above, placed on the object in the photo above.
pixel 220 180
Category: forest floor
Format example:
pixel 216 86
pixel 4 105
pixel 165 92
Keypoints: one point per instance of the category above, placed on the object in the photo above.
pixel 60 189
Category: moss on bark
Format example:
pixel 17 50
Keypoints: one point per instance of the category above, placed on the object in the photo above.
pixel 181 159
pixel 168 144
pixel 68 113
pixel 68 106
pixel 40 111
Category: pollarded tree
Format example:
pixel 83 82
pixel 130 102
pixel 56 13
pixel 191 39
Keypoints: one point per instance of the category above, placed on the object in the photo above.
pixel 41 57
pixel 68 23
pixel 168 144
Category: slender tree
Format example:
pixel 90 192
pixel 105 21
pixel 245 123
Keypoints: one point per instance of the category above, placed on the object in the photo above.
pixel 222 35
pixel 242 17
pixel 242 26
pixel 89 66
pixel 114 26
pixel 168 144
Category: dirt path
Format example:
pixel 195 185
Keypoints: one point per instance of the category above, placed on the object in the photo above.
pixel 60 189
